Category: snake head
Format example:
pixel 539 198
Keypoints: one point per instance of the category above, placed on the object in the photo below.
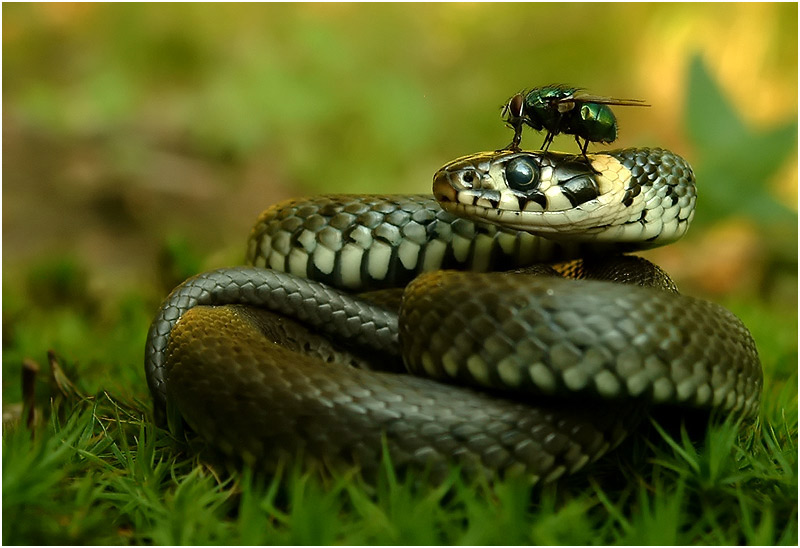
pixel 595 197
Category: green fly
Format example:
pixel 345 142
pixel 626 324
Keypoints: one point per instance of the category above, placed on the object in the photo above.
pixel 562 109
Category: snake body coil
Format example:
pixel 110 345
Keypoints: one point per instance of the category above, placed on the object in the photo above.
pixel 521 373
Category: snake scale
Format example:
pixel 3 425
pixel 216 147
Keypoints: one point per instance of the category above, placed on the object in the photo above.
pixel 516 368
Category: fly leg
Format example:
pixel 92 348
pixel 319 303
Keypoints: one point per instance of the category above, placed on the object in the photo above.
pixel 548 140
pixel 583 148
pixel 514 144
pixel 551 133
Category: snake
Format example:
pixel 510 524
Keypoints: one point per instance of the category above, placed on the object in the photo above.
pixel 500 325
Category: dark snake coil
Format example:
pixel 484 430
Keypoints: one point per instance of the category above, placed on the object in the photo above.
pixel 521 373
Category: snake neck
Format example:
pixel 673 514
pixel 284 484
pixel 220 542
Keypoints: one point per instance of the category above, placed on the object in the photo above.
pixel 371 242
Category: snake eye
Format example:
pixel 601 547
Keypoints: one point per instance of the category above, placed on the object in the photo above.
pixel 522 174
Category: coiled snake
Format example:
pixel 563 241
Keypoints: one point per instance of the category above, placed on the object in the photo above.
pixel 524 373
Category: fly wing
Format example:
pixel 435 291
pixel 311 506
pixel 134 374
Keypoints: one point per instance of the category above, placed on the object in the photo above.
pixel 580 97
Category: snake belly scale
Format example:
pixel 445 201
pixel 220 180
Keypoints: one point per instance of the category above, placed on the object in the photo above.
pixel 526 373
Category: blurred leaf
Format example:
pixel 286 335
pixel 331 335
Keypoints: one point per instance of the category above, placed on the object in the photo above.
pixel 736 161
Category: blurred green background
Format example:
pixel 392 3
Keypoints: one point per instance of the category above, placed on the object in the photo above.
pixel 141 141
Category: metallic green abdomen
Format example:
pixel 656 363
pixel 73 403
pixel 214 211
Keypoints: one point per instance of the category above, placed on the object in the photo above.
pixel 598 123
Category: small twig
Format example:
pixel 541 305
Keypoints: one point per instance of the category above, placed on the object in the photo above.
pixel 30 370
pixel 60 380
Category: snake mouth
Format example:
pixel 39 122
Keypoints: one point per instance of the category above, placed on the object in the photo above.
pixel 479 190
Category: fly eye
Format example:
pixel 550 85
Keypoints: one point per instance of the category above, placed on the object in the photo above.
pixel 515 105
pixel 522 174
pixel 513 109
